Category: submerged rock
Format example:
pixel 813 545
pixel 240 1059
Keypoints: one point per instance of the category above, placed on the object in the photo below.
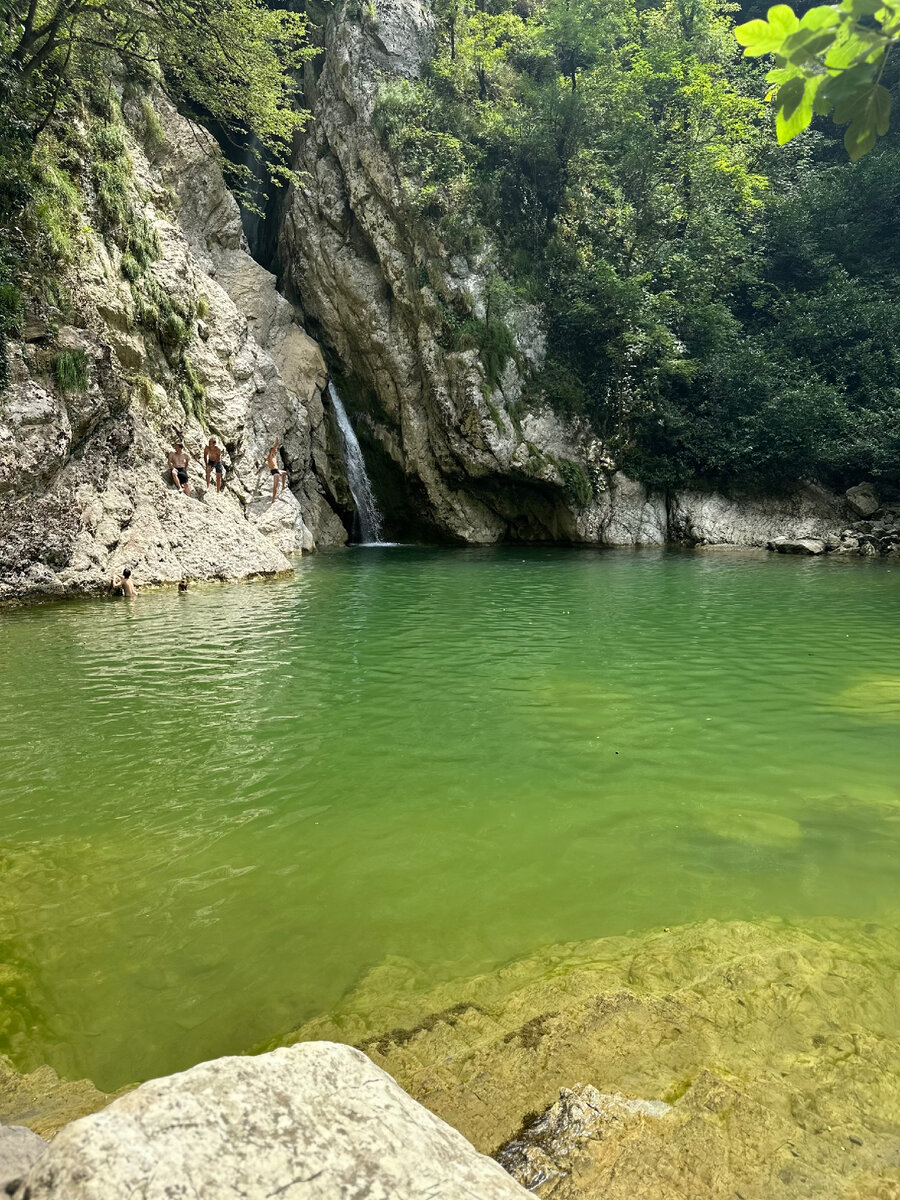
pixel 43 1101
pixel 318 1121
pixel 772 1043
pixel 544 1150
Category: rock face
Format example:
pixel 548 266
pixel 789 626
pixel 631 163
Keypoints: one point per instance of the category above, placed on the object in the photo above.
pixel 317 1122
pixel 454 453
pixel 84 489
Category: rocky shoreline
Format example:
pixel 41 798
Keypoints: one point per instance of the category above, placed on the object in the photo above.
pixel 875 529
pixel 718 1059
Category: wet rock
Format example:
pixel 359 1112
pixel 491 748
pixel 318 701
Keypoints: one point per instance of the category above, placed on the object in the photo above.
pixel 318 1120
pixel 19 1151
pixel 798 545
pixel 544 1149
pixel 862 499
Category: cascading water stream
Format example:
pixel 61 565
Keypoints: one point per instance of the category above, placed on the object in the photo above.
pixel 357 477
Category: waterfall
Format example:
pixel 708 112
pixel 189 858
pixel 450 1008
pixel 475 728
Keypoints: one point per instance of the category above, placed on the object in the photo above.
pixel 360 484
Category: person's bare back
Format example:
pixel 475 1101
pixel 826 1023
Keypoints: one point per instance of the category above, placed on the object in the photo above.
pixel 123 583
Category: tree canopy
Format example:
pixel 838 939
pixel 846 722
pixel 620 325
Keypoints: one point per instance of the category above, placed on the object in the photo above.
pixel 717 309
pixel 232 60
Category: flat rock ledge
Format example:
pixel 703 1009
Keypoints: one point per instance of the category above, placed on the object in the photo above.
pixel 315 1121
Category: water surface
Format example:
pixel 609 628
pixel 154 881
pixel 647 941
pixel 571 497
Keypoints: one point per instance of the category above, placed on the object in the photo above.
pixel 218 810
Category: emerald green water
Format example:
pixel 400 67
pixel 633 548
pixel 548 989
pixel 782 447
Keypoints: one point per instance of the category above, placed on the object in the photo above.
pixel 218 810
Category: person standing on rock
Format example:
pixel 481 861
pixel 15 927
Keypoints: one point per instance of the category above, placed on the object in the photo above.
pixel 123 583
pixel 276 471
pixel 178 461
pixel 212 457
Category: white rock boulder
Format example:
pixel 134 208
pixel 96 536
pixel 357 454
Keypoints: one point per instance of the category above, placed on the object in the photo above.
pixel 315 1121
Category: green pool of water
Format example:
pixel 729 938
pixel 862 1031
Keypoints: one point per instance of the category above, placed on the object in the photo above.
pixel 218 810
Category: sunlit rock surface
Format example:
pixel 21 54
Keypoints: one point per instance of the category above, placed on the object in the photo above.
pixel 316 1121
pixel 84 486
pixel 778 1048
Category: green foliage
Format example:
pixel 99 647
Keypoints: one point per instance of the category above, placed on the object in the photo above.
pixel 493 341
pixel 831 60
pixel 613 164
pixel 69 369
pixel 10 316
pixel 576 481
pixel 192 392
pixel 63 65
pixel 52 219
pixel 152 132
pixel 233 61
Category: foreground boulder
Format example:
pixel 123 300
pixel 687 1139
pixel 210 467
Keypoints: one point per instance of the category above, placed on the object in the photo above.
pixel 19 1151
pixel 318 1121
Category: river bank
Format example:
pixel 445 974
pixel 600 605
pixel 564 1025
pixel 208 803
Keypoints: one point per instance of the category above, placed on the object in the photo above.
pixel 764 1057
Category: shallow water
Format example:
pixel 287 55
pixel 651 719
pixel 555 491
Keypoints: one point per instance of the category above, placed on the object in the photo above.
pixel 218 810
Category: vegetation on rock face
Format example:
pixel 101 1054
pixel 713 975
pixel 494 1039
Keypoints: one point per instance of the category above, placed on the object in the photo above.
pixel 70 370
pixel 63 65
pixel 719 309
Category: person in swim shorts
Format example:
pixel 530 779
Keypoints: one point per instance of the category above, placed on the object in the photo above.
pixel 178 461
pixel 212 457
pixel 276 471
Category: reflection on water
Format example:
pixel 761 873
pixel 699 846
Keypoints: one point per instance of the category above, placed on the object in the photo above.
pixel 218 810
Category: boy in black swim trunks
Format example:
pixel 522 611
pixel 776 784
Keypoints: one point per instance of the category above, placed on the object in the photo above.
pixel 212 457
pixel 276 471
pixel 178 461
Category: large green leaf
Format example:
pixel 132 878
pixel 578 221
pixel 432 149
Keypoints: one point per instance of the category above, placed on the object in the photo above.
pixel 852 48
pixel 782 17
pixel 847 85
pixel 869 114
pixel 793 109
pixel 806 44
pixel 823 16
pixel 766 37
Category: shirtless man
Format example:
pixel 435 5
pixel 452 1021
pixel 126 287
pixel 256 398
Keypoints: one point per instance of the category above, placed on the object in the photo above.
pixel 123 582
pixel 212 457
pixel 178 461
pixel 276 471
